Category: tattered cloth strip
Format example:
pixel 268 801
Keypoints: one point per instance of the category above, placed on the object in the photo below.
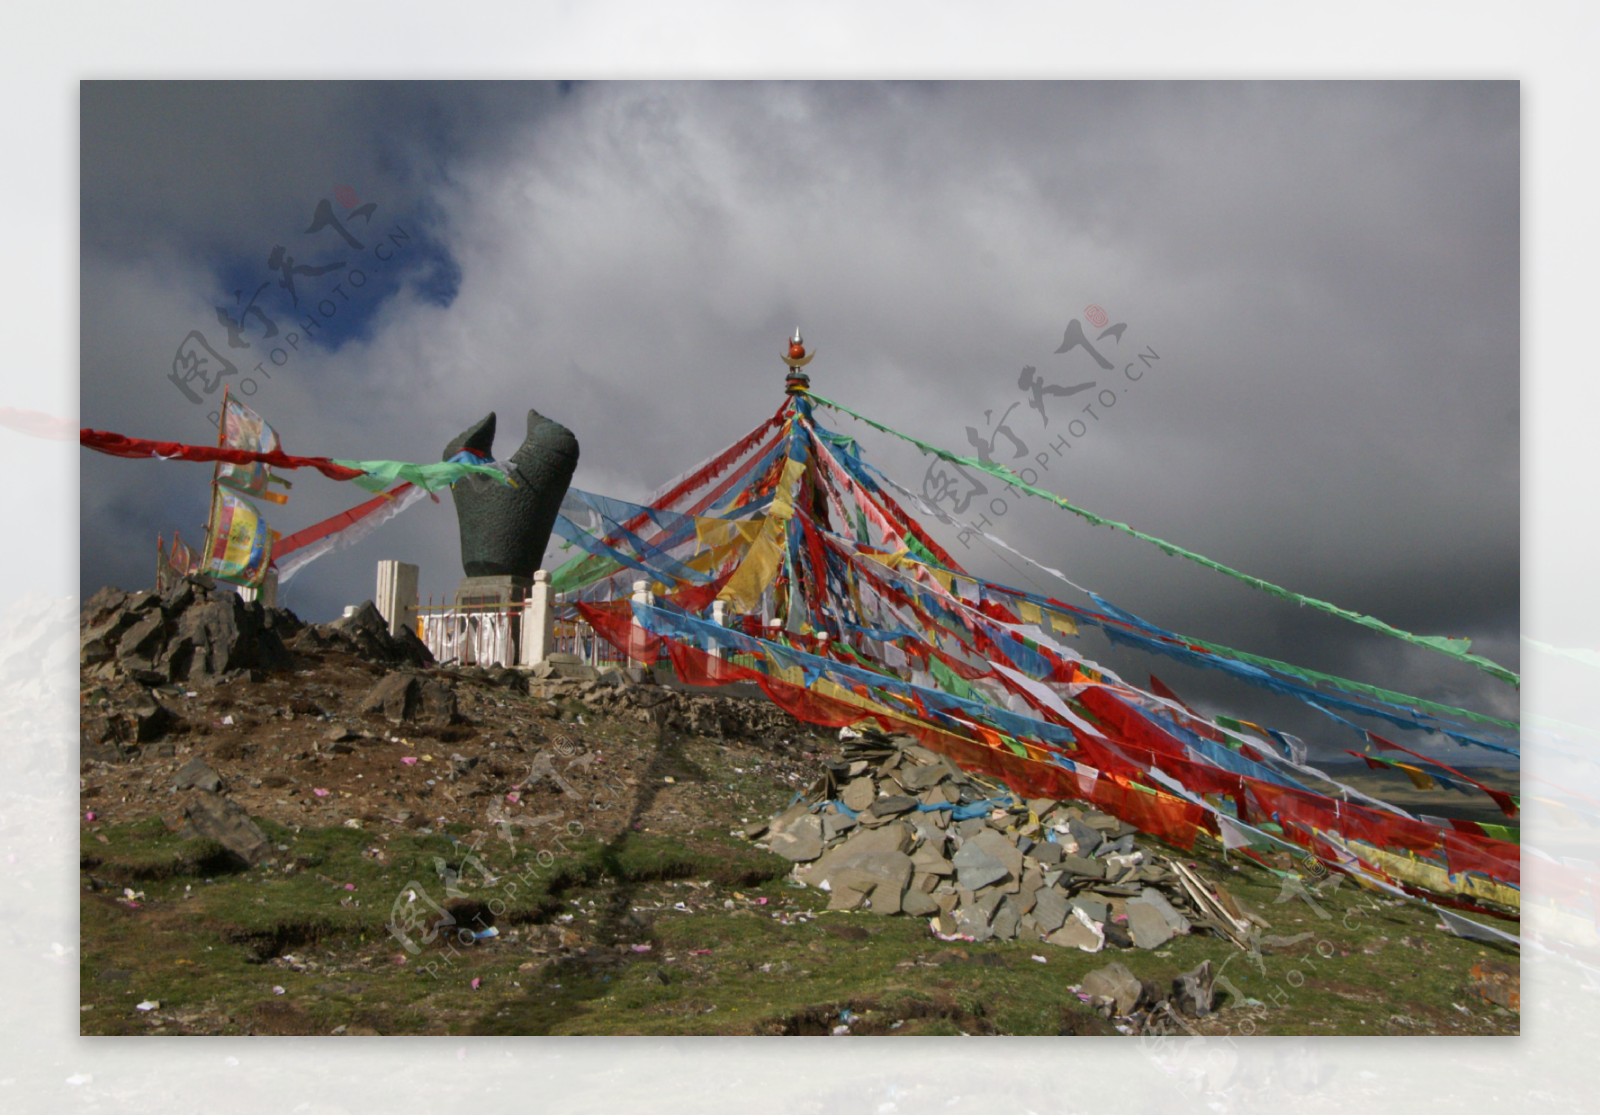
pixel 1454 647
pixel 1475 931
pixel 435 476
pixel 1117 719
pixel 1191 648
pixel 1504 800
pixel 337 532
pixel 431 476
pixel 800 683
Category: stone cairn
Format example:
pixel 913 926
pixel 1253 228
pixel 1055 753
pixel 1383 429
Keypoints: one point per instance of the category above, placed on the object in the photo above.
pixel 894 828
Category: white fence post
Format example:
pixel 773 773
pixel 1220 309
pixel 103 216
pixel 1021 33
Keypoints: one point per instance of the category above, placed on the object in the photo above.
pixel 538 622
pixel 719 617
pixel 636 652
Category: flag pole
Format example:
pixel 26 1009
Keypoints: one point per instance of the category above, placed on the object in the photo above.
pixel 216 471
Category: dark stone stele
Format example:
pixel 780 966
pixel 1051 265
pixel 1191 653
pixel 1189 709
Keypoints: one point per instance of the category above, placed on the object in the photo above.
pixel 504 530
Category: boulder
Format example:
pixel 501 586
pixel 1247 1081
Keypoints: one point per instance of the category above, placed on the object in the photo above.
pixel 365 634
pixel 1114 984
pixel 402 696
pixel 198 775
pixel 226 822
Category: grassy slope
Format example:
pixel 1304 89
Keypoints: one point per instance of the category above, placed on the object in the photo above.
pixel 734 948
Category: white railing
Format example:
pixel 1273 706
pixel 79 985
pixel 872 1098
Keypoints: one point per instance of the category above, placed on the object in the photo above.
pixel 485 636
pixel 575 637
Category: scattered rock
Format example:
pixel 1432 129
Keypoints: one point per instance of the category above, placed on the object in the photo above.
pixel 403 696
pixel 226 822
pixel 1115 985
pixel 1497 984
pixel 198 775
pixel 365 634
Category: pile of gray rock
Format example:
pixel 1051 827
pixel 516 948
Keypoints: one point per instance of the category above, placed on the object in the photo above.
pixel 200 631
pixel 894 828
pixel 194 631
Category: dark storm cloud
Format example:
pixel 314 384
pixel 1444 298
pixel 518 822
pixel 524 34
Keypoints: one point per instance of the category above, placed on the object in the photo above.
pixel 1329 273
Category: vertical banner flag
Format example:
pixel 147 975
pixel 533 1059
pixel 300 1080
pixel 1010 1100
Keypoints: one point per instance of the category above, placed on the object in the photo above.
pixel 243 429
pixel 172 565
pixel 180 557
pixel 239 542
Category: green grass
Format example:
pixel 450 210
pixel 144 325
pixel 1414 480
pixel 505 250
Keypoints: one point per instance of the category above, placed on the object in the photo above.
pixel 207 942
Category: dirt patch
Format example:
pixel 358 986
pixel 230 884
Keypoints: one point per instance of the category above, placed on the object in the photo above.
pixel 910 1016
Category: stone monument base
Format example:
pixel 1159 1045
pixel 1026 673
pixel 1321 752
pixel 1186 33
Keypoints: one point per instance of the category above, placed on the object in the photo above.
pixel 499 589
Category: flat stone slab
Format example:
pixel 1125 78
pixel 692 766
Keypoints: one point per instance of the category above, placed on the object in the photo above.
pixel 975 867
pixel 1083 866
pixel 1050 910
pixel 843 898
pixel 1005 920
pixel 1085 836
pixel 864 848
pixel 969 920
pixel 890 805
pixel 1147 925
pixel 929 831
pixel 858 794
pixel 798 840
pixel 1175 918
pixel 923 777
pixel 1077 932
pixel 1046 852
pixel 989 902
pixel 834 823
pixel 1093 908
pixel 880 893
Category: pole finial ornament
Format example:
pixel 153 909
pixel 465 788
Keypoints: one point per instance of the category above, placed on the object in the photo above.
pixel 797 358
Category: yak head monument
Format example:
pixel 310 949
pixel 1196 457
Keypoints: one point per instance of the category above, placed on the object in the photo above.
pixel 504 530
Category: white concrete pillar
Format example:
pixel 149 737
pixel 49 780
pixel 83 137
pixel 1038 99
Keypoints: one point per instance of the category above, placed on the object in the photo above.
pixel 641 595
pixel 397 594
pixel 719 617
pixel 538 622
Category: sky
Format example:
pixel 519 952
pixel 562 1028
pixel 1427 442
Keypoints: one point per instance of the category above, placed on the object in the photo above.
pixel 1324 278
